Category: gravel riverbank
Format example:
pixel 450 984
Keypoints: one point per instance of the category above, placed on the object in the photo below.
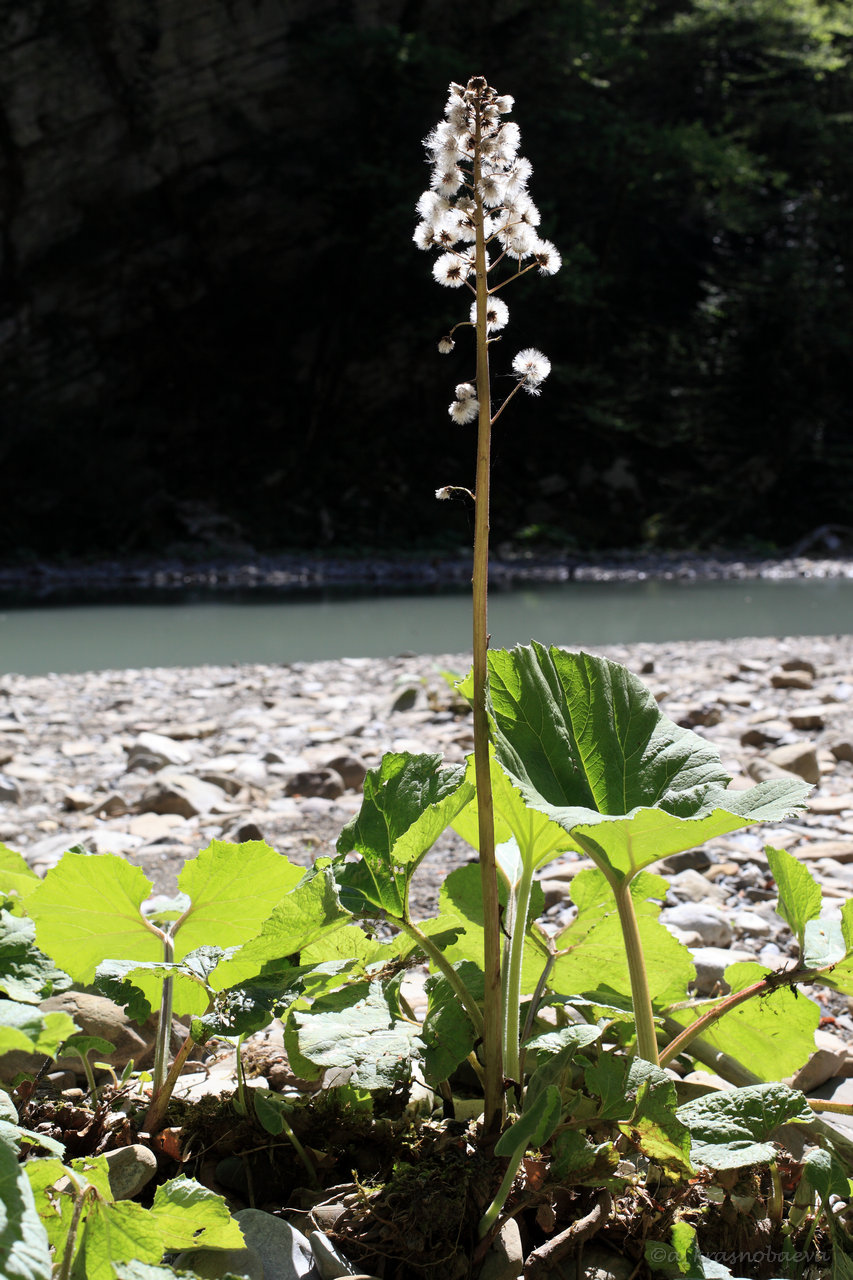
pixel 153 764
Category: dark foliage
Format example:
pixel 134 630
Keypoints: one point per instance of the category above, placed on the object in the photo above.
pixel 245 347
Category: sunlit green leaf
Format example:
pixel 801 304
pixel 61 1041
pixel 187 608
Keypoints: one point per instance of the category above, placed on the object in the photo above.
pixel 800 898
pixel 308 913
pixel 17 878
pixel 773 1034
pixel 26 1027
pixel 461 900
pixel 87 910
pixel 233 888
pixel 188 1215
pixel 408 801
pixel 586 745
pixel 597 964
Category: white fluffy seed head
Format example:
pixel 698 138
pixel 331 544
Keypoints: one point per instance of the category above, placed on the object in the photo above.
pixel 464 411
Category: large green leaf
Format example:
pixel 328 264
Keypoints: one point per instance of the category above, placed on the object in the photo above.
pixel 306 915
pixel 408 801
pixel 87 910
pixel 358 1031
pixel 539 839
pixel 734 1128
pixel 596 963
pixel 586 745
pixel 26 974
pixel 773 1034
pixel 232 888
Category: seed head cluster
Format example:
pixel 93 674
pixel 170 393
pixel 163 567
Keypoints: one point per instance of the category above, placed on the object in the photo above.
pixel 479 182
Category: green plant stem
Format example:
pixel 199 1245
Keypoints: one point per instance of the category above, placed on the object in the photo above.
pixel 647 1044
pixel 164 1022
pixel 90 1076
pixel 512 992
pixel 776 1199
pixel 492 1011
pixel 490 1216
pixel 837 1108
pixel 156 1113
pixel 441 962
pixel 313 1180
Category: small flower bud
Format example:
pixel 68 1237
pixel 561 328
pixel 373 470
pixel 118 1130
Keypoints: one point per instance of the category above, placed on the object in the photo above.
pixel 446 345
pixel 465 390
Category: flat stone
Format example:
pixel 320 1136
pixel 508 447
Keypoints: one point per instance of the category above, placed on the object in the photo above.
pixel 791 680
pixel 78 747
pixel 831 804
pixel 324 783
pixel 839 850
pixel 691 886
pixel 831 1058
pixel 130 1168
pixel 352 769
pixel 807 718
pixel 153 826
pixel 710 924
pixel 157 744
pixel 285 1252
pixel 752 924
pixel 843 749
pixel 331 1263
pixel 799 758
pixel 75 801
pixel 194 729
pixel 183 794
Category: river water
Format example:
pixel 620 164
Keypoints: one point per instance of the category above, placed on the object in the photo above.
pixel 220 631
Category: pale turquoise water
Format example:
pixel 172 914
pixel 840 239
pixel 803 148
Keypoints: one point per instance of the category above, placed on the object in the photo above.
pixel 93 637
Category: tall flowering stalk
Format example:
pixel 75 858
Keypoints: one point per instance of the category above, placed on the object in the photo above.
pixel 477 213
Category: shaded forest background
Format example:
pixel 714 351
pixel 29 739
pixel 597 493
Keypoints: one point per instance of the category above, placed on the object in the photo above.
pixel 215 329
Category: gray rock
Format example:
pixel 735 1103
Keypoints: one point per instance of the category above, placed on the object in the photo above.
pixel 687 860
pixel 807 718
pixel 284 1251
pixel 10 792
pixel 130 1168
pixel 843 749
pixel 211 1264
pixel 799 758
pixel 352 769
pixel 164 749
pixel 690 886
pixel 331 1263
pixel 831 1058
pixel 183 794
pixel 709 923
pixel 711 964
pixel 505 1259
pixel 324 783
pixel 751 923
